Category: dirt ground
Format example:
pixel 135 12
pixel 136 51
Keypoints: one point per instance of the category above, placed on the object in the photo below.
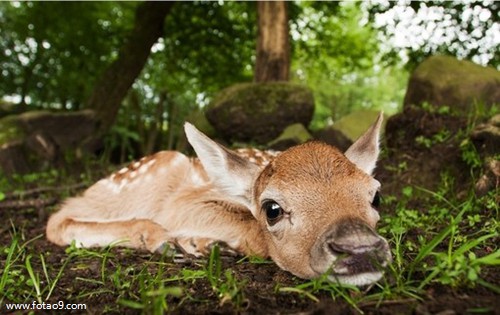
pixel 260 296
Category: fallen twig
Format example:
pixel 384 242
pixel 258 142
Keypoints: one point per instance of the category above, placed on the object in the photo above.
pixel 30 203
pixel 39 190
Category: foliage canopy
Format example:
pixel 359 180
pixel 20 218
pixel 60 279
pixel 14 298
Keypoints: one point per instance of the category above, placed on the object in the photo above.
pixel 341 50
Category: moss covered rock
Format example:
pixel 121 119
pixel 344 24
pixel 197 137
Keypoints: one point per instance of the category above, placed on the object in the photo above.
pixel 37 138
pixel 356 123
pixel 334 137
pixel 259 112
pixel 292 135
pixel 444 80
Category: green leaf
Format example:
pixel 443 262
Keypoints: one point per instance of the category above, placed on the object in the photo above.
pixel 131 304
pixel 472 275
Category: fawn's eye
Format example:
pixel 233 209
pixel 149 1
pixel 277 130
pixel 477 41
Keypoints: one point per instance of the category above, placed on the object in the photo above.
pixel 274 212
pixel 376 200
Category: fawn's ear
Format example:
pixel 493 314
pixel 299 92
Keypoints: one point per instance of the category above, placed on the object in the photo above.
pixel 364 152
pixel 228 171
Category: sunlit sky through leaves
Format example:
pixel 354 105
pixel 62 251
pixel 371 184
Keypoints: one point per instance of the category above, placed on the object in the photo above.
pixel 432 26
pixel 407 30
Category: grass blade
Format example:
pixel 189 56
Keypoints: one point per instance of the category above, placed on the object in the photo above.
pixel 34 279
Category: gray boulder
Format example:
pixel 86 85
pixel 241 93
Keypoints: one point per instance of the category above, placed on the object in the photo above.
pixel 35 139
pixel 444 80
pixel 292 135
pixel 259 112
pixel 334 137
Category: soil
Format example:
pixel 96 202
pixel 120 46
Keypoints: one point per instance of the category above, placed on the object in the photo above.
pixel 260 294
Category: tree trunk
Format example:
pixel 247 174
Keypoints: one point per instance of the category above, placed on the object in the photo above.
pixel 273 48
pixel 114 83
pixel 171 112
pixel 156 126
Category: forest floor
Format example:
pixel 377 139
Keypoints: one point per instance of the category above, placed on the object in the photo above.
pixel 118 280
pixel 445 251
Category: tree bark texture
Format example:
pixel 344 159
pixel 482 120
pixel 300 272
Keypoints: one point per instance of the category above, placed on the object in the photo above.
pixel 273 47
pixel 117 79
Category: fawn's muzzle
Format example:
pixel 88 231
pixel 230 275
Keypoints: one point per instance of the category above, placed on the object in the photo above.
pixel 352 252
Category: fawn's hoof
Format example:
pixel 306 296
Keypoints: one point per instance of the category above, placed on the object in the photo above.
pixel 167 249
pixel 224 249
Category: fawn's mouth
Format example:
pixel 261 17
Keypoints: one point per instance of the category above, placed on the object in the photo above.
pixel 359 280
pixel 359 269
pixel 351 253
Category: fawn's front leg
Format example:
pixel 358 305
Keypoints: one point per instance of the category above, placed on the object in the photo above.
pixel 134 233
pixel 201 246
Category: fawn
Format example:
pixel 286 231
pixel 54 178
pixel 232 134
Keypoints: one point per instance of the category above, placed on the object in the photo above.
pixel 310 208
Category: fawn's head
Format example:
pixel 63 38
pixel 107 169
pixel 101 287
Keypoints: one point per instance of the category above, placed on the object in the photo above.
pixel 317 207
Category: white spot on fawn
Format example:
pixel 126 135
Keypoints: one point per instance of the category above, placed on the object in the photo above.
pixel 123 171
pixel 143 169
pixel 151 162
pixel 123 183
pixel 176 160
pixel 114 187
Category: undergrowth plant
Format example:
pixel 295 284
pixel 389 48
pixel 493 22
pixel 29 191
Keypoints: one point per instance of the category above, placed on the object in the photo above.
pixel 438 240
pixel 454 255
pixel 25 275
pixel 227 286
pixel 436 237
pixel 144 287
pixel 322 284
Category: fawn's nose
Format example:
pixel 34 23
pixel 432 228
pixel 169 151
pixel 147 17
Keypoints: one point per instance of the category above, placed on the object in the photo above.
pixel 351 248
pixel 352 237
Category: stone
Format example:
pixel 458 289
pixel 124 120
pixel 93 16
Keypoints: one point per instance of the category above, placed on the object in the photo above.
pixel 334 137
pixel 486 139
pixel 66 128
pixel 486 136
pixel 356 123
pixel 459 84
pixel 259 112
pixel 36 139
pixel 292 135
pixel 490 180
pixel 198 119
